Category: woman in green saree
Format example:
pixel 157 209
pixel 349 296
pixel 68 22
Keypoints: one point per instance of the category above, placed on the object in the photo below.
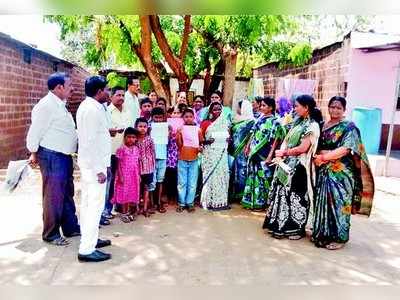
pixel 259 151
pixel 243 122
pixel 291 193
pixel 344 180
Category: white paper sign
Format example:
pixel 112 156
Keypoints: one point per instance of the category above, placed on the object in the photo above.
pixel 159 133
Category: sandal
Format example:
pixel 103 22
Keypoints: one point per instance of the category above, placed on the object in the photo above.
pixel 334 246
pixel 180 209
pixel 191 209
pixel 125 218
pixel 295 237
pixel 132 217
pixel 59 242
pixel 162 210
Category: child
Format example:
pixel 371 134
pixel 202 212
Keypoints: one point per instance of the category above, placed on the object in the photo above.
pixel 145 109
pixel 189 138
pixel 127 178
pixel 161 102
pixel 147 165
pixel 171 174
pixel 158 116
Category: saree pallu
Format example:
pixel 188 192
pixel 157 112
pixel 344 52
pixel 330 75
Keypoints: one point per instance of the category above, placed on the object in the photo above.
pixel 344 186
pixel 214 166
pixel 241 133
pixel 259 178
pixel 291 195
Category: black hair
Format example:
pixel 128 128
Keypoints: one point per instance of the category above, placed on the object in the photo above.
pixel 162 99
pixel 131 131
pixel 199 96
pixel 157 111
pixel 187 111
pixel 56 79
pixel 258 99
pixel 145 100
pixel 170 110
pixel 340 99
pixel 94 84
pixel 131 79
pixel 212 106
pixel 308 101
pixel 116 88
pixel 269 101
pixel 140 120
pixel 240 104
pixel 218 93
pixel 182 107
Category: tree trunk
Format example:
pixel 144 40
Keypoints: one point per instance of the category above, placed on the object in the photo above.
pixel 230 59
pixel 216 78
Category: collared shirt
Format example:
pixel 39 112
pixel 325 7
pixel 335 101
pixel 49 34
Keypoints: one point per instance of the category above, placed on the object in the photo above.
pixel 94 151
pixel 147 155
pixel 131 102
pixel 52 126
pixel 120 120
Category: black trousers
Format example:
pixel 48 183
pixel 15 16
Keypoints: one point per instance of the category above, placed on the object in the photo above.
pixel 58 191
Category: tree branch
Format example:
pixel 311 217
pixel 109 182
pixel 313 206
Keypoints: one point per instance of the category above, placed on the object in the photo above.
pixel 185 39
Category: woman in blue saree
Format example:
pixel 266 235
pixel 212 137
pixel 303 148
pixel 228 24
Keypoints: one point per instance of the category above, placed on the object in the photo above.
pixel 265 135
pixel 345 184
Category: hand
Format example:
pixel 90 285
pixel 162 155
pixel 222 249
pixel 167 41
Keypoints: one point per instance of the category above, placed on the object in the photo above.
pixel 33 161
pixel 318 160
pixel 268 161
pixel 101 178
pixel 280 153
pixel 113 131
pixel 201 149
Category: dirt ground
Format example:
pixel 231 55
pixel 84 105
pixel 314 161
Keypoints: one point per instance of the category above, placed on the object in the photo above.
pixel 204 248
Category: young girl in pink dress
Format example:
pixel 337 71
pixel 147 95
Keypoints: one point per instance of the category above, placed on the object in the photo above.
pixel 127 179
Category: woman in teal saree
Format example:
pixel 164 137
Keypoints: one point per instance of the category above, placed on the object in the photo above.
pixel 344 180
pixel 264 139
pixel 243 122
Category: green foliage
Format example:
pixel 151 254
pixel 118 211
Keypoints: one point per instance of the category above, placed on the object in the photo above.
pixel 145 86
pixel 113 80
pixel 300 54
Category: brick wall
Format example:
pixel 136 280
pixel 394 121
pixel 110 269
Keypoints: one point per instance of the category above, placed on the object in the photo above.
pixel 22 85
pixel 328 66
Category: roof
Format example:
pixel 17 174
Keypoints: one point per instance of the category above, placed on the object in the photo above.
pixel 23 45
pixel 372 41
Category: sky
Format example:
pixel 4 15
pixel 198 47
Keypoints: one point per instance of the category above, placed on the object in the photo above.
pixel 32 29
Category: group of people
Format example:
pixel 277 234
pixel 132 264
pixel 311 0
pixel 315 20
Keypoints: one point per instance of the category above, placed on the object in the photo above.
pixel 133 150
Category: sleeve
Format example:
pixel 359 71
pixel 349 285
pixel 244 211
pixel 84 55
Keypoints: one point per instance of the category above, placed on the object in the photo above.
pixel 88 135
pixel 40 123
pixel 352 141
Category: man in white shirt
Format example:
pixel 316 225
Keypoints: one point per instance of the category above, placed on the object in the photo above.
pixel 94 153
pixel 120 119
pixel 51 140
pixel 132 98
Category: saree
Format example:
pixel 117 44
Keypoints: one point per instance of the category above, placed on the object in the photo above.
pixel 259 176
pixel 241 133
pixel 344 186
pixel 291 195
pixel 214 166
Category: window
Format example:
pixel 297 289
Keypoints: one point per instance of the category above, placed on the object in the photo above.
pixel 27 54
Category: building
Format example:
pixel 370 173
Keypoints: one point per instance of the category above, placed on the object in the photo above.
pixel 363 68
pixel 23 82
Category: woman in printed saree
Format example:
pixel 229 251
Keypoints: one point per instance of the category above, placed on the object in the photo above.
pixel 344 180
pixel 243 122
pixel 291 193
pixel 260 150
pixel 214 163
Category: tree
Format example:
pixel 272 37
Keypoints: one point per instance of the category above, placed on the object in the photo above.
pixel 247 36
